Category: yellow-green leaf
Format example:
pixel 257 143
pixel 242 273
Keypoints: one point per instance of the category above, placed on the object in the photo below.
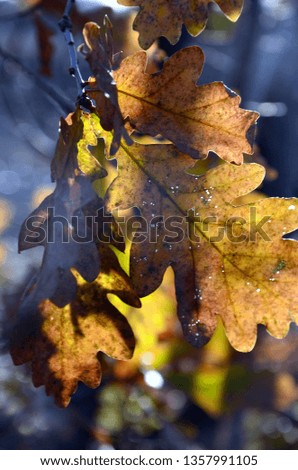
pixel 87 160
pixel 73 151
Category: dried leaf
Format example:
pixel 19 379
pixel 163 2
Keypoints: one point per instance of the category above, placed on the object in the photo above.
pixel 228 261
pixel 102 60
pixel 197 119
pixel 165 18
pixel 59 223
pixel 73 155
pixel 63 343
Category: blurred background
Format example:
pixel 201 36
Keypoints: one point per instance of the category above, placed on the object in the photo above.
pixel 169 396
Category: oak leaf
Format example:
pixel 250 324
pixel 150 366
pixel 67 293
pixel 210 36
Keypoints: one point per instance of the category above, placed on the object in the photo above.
pixel 102 60
pixel 229 261
pixel 63 343
pixel 165 17
pixel 197 119
pixel 59 222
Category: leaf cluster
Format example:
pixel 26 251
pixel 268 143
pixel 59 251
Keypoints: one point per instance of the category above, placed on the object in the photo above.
pixel 229 259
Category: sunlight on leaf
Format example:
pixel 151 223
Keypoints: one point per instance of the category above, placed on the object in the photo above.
pixel 226 259
pixel 197 119
pixel 63 343
pixel 102 60
pixel 152 324
pixel 165 18
pixel 52 223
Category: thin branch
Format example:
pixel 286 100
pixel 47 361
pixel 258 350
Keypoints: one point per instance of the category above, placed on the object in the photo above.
pixel 65 25
pixel 64 103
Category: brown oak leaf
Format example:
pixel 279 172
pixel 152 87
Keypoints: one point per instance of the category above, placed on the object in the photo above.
pixel 102 60
pixel 197 119
pixel 59 222
pixel 228 260
pixel 165 17
pixel 63 343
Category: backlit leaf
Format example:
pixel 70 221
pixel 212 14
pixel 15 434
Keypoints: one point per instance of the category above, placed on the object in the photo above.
pixel 197 119
pixel 228 261
pixel 59 222
pixel 102 60
pixel 63 343
pixel 165 17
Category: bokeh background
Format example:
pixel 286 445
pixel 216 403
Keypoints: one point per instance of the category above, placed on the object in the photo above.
pixel 169 396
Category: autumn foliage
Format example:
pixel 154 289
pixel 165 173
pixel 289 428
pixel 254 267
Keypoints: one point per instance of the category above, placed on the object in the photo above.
pixel 227 253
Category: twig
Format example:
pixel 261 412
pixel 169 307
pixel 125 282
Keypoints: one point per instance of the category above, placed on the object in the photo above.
pixel 65 25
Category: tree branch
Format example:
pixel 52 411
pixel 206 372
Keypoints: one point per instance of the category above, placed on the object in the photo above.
pixel 65 25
